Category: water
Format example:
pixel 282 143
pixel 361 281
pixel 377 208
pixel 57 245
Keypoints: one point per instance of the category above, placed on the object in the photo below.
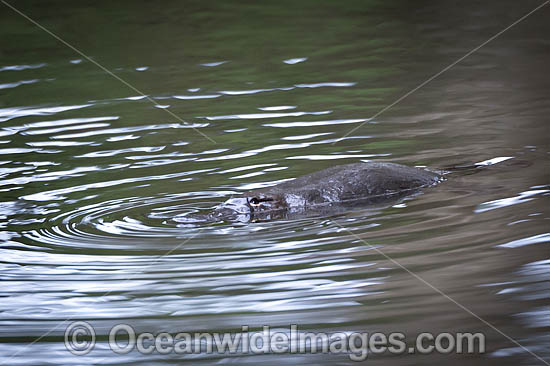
pixel 95 178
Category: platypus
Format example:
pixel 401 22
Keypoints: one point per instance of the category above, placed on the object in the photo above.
pixel 339 186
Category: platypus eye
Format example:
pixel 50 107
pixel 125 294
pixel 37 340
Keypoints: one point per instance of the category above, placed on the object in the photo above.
pixel 255 201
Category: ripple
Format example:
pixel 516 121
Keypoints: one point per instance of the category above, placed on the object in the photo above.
pixel 122 130
pixel 243 168
pixel 50 131
pixel 510 201
pixel 50 176
pixel 16 150
pixel 59 143
pixel 7 114
pixel 69 121
pixel 322 85
pixel 536 239
pixel 21 67
pixel 252 91
pixel 176 154
pixel 122 138
pixel 137 97
pixel 18 83
pixel 267 115
pixel 300 145
pixel 58 194
pixel 277 108
pixel 334 157
pixel 214 64
pixel 494 161
pixel 306 137
pixel 294 61
pixel 106 153
pixel 192 97
pixel 316 123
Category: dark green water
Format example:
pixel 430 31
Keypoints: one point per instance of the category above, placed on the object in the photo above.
pixel 96 181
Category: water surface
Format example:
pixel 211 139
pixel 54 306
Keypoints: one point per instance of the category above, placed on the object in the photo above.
pixel 95 178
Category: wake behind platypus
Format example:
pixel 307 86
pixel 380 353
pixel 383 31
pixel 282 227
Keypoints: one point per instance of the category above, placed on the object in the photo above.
pixel 337 187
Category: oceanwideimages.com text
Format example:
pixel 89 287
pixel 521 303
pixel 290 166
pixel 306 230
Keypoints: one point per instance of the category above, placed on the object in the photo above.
pixel 80 339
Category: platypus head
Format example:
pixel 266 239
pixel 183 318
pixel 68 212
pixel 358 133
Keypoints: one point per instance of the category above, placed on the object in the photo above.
pixel 252 206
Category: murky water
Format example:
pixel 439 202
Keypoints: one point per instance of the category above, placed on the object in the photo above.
pixel 95 179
